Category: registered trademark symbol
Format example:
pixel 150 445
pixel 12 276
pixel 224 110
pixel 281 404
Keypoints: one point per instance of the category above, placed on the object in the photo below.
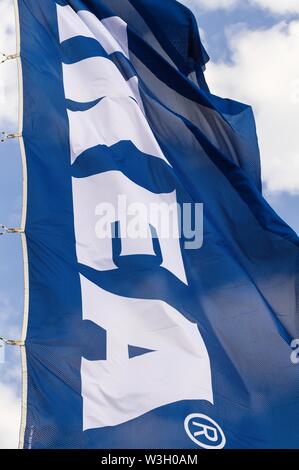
pixel 204 431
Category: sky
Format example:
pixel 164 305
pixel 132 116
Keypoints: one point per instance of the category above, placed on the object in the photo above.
pixel 254 50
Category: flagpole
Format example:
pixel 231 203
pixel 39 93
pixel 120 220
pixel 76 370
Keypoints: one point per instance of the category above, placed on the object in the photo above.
pixel 23 235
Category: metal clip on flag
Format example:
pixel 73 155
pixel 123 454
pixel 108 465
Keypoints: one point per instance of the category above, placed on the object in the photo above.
pixel 11 342
pixel 6 57
pixel 4 230
pixel 5 136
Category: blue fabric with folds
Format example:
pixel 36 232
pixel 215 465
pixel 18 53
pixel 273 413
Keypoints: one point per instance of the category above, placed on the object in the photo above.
pixel 242 284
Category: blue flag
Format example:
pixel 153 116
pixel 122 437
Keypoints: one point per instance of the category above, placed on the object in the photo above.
pixel 163 289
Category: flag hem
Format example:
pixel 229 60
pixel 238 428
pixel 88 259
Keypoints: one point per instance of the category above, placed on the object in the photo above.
pixel 23 235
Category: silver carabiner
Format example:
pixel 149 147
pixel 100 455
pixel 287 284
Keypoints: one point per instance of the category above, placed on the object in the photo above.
pixel 5 230
pixel 12 342
pixel 5 136
pixel 6 57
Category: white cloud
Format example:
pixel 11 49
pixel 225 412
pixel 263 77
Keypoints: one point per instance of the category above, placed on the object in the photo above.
pixel 265 74
pixel 278 6
pixel 8 70
pixel 209 4
pixel 10 415
pixel 7 30
pixel 274 6
pixel 10 319
pixel 10 377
